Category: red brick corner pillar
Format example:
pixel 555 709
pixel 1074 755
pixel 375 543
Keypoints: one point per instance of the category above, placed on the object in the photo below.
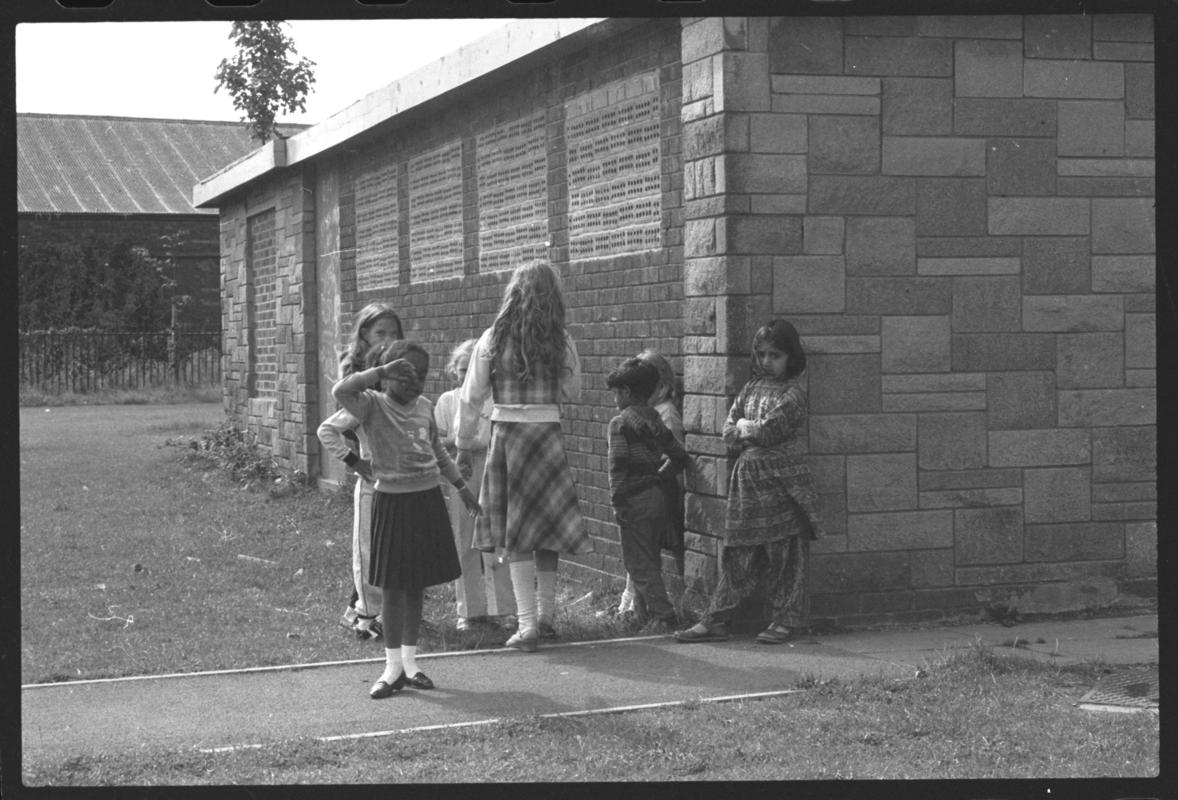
pixel 729 242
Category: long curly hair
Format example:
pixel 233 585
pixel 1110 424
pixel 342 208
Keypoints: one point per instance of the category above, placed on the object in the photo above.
pixel 353 360
pixel 530 323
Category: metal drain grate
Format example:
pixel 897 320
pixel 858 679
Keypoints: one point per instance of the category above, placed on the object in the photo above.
pixel 1132 690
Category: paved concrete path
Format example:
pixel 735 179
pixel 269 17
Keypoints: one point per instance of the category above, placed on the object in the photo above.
pixel 228 710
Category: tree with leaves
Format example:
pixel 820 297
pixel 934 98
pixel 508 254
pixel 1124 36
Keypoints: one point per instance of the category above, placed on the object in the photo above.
pixel 262 77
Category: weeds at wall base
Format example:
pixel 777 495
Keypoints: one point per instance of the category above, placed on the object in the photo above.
pixel 235 452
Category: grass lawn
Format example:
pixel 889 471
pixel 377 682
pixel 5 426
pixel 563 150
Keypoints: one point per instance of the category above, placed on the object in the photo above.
pixel 133 563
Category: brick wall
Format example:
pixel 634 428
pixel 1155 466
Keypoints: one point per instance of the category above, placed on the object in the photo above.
pixel 196 255
pixel 956 213
pixel 269 360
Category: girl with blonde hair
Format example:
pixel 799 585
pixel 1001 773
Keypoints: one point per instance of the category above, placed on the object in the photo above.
pixel 484 590
pixel 527 362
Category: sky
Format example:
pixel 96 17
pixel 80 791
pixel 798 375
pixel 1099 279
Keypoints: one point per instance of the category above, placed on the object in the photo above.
pixel 165 69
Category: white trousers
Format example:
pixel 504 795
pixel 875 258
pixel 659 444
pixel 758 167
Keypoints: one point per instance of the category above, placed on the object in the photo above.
pixel 368 602
pixel 485 586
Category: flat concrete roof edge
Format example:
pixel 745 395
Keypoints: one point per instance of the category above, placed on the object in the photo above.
pixel 245 169
pixel 472 60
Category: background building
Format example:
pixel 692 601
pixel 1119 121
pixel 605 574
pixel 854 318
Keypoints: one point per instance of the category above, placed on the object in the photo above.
pixel 95 187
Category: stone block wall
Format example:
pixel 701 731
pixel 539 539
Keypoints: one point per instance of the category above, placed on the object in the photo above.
pixel 957 214
pixel 268 360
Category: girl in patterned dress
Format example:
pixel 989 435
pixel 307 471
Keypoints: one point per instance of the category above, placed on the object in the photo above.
pixel 772 505
pixel 527 362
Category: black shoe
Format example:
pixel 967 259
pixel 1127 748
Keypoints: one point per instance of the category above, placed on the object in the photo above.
pixel 380 690
pixel 420 681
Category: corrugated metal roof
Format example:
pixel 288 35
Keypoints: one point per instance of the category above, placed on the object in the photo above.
pixel 70 164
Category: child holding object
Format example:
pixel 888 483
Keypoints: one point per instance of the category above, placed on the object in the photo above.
pixel 772 509
pixel 412 543
pixel 528 363
pixel 665 401
pixel 638 442
pixel 376 324
pixel 484 590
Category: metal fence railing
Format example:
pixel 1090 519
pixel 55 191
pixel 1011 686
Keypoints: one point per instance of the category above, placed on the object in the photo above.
pixel 84 360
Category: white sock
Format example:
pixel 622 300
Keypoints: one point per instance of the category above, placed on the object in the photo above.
pixel 626 602
pixel 392 664
pixel 408 662
pixel 523 584
pixel 546 595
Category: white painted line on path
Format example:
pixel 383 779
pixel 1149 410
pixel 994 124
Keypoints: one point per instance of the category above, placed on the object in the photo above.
pixel 317 664
pixel 555 715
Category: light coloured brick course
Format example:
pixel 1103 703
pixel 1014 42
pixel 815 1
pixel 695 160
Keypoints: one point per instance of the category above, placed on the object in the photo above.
pixel 900 530
pixel 1070 79
pixel 1034 216
pixel 988 69
pixel 933 155
pixel 1038 448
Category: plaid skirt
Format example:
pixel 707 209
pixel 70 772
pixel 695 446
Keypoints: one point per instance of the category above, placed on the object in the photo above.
pixel 412 543
pixel 528 496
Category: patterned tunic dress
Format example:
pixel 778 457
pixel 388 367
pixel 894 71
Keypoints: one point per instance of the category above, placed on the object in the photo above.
pixel 771 495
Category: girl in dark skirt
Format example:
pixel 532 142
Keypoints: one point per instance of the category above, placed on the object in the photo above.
pixel 412 543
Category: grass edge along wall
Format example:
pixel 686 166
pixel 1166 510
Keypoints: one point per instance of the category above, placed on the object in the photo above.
pixel 956 212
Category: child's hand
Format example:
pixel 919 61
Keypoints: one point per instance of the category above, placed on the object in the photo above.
pixel 470 501
pixel 744 428
pixel 465 463
pixel 363 468
pixel 399 369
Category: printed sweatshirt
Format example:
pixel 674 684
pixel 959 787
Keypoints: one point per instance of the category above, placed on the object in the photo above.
pixel 407 454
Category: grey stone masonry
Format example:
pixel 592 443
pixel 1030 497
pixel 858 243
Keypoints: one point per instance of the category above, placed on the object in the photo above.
pixel 957 212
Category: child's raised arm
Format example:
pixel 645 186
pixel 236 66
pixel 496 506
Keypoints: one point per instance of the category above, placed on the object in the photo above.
pixel 349 391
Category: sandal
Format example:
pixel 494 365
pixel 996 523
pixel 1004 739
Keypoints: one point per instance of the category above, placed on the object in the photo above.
pixel 702 633
pixel 775 634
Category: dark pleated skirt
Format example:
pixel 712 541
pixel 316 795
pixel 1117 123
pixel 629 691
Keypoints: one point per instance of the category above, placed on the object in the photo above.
pixel 412 542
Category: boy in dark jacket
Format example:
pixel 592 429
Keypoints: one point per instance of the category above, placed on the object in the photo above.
pixel 638 439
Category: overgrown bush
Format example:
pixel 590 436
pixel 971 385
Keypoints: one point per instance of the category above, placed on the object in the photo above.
pixel 235 452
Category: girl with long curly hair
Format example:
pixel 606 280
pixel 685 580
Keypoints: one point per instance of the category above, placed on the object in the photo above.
pixel 376 324
pixel 528 363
